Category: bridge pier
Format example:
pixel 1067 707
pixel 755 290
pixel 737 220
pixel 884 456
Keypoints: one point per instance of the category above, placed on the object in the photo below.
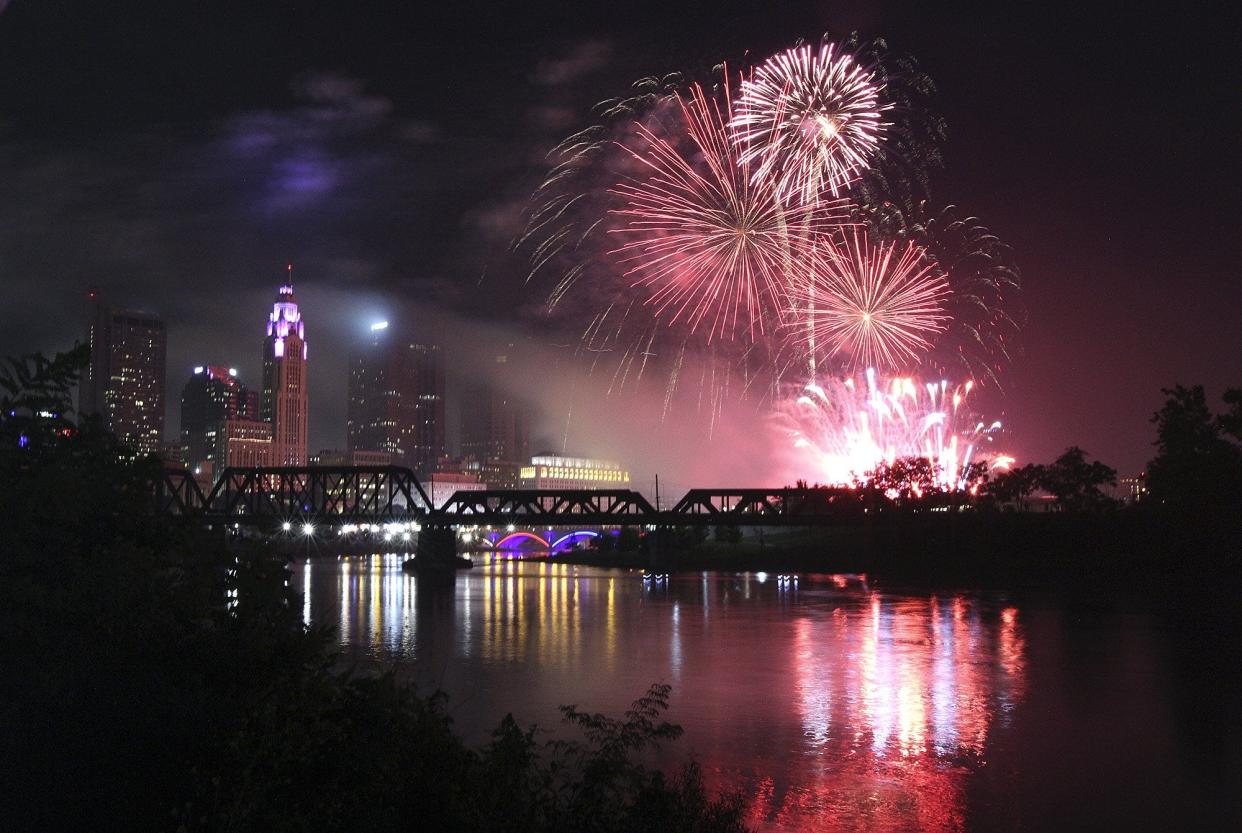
pixel 437 549
pixel 662 550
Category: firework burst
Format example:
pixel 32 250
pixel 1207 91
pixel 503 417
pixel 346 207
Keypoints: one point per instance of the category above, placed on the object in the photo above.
pixel 874 305
pixel 984 309
pixel 810 120
pixel 841 429
pixel 711 243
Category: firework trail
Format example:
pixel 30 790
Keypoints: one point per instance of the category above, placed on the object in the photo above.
pixel 811 120
pixel 843 428
pixel 711 243
pixel 875 304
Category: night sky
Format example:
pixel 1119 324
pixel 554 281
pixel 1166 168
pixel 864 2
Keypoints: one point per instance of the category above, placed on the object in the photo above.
pixel 178 154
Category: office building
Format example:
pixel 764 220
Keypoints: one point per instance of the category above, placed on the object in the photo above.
pixel 284 400
pixel 245 443
pixel 212 394
pixel 124 382
pixel 495 425
pixel 396 399
pixel 442 485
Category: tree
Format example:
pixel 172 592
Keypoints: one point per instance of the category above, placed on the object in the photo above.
pixel 1196 463
pixel 1015 485
pixel 1074 483
pixel 904 479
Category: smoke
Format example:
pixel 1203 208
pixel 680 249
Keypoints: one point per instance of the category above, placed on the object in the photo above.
pixel 684 438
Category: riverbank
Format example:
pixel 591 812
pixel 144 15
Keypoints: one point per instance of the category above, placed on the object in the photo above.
pixel 1134 550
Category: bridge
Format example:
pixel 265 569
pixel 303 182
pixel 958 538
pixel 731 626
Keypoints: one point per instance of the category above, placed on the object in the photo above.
pixel 267 497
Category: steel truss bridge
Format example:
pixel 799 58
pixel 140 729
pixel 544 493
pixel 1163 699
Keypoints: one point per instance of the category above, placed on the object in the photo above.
pixel 262 497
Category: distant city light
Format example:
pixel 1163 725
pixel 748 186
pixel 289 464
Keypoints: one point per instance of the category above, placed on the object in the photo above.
pixel 379 325
pixel 198 369
pixel 232 371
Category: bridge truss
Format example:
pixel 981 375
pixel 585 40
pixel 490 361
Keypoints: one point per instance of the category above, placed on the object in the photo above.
pixel 379 494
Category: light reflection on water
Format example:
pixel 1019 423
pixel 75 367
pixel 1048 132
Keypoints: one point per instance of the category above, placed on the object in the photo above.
pixel 831 705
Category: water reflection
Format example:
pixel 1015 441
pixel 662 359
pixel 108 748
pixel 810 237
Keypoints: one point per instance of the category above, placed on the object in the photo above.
pixel 833 706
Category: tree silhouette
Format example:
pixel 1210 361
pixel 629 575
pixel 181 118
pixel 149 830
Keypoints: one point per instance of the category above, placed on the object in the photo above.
pixel 1197 464
pixel 1075 483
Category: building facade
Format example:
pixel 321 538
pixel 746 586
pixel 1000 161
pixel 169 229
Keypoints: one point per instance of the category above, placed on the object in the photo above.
pixel 441 485
pixel 284 400
pixel 396 399
pixel 336 457
pixel 552 471
pixel 124 382
pixel 495 425
pixel 212 394
pixel 245 443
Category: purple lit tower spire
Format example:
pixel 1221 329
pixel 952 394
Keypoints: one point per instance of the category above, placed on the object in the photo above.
pixel 284 378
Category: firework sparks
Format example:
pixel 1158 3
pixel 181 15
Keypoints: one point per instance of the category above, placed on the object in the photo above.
pixel 842 429
pixel 811 119
pixel 878 305
pixel 711 243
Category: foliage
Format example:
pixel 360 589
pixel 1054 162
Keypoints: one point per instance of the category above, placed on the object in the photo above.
pixel 1074 483
pixel 1013 486
pixel 155 678
pixel 728 534
pixel 1198 461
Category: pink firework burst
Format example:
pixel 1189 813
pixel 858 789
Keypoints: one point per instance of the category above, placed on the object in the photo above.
pixel 712 243
pixel 810 119
pixel 880 304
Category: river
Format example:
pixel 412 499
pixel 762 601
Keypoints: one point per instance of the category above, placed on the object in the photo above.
pixel 832 704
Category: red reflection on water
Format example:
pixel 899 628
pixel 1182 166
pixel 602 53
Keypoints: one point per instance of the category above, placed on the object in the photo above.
pixel 896 699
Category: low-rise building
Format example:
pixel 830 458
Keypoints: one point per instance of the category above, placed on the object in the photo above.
pixel 441 485
pixel 551 471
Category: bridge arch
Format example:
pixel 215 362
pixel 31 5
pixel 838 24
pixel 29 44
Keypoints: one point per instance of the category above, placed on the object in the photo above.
pixel 570 539
pixel 513 540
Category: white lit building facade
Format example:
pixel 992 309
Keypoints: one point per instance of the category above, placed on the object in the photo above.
pixel 550 471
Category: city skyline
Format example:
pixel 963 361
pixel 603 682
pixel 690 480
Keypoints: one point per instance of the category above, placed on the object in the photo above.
pixel 209 195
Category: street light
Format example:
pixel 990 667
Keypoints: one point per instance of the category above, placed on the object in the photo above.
pixel 308 529
pixel 286 526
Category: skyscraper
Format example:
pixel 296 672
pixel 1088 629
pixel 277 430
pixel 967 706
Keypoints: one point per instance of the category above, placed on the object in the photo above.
pixel 396 399
pixel 124 382
pixel 212 394
pixel 284 402
pixel 495 425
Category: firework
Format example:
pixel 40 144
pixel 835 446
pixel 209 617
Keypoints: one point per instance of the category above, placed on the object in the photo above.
pixel 712 245
pixel 810 120
pixel 844 428
pixel 983 305
pixel 877 305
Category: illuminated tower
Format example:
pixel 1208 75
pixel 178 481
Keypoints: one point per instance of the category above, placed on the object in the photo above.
pixel 284 379
pixel 124 382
